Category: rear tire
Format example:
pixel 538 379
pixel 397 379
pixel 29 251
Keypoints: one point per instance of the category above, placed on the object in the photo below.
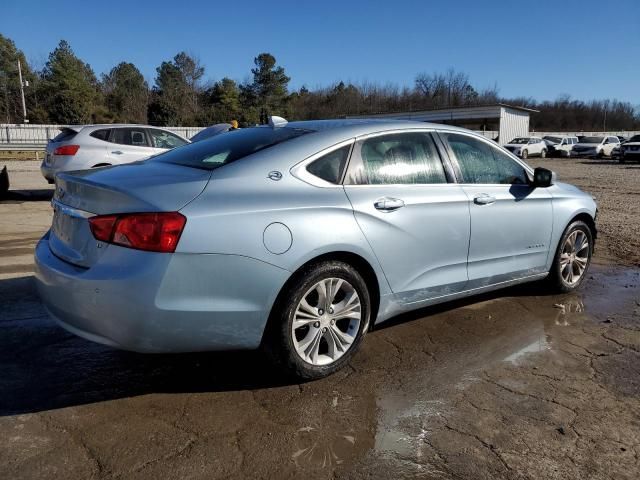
pixel 524 154
pixel 572 259
pixel 311 335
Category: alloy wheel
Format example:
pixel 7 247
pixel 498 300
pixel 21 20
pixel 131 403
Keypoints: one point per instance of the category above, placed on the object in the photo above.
pixel 574 257
pixel 326 321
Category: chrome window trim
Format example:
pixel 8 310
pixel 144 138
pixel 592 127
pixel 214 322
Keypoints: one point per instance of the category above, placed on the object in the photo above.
pixel 299 170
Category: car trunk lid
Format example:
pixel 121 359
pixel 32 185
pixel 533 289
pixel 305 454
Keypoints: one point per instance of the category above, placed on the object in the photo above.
pixel 137 187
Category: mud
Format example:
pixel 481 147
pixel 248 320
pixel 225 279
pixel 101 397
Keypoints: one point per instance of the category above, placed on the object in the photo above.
pixel 513 384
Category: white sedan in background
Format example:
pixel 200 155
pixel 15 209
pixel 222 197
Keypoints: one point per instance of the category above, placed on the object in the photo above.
pixel 83 147
pixel 525 147
pixel 595 146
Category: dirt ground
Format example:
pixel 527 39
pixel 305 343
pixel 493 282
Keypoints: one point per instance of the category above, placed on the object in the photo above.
pixel 517 384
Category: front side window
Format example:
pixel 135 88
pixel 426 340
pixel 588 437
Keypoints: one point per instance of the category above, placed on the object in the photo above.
pixel 164 139
pixel 329 167
pixel 129 136
pixel 400 158
pixel 482 163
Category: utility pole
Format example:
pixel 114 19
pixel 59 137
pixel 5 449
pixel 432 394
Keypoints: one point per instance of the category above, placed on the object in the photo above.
pixel 22 85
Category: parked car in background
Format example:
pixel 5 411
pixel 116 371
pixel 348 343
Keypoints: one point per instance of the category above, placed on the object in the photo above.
pixel 525 147
pixel 621 138
pixel 90 146
pixel 630 150
pixel 595 147
pixel 560 146
pixel 231 243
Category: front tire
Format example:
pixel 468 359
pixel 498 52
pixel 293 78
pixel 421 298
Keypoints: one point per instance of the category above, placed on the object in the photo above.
pixel 543 154
pixel 319 320
pixel 572 259
pixel 524 154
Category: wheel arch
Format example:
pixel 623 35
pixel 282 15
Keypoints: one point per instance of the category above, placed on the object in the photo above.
pixel 361 264
pixel 589 220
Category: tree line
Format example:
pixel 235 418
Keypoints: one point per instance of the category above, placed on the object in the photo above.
pixel 67 91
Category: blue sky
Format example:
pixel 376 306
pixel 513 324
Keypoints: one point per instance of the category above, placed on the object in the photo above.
pixel 588 49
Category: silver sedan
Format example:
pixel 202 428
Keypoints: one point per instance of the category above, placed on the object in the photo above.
pixel 300 237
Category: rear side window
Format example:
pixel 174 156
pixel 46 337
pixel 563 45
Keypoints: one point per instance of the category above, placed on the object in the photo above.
pixel 400 158
pixel 164 139
pixel 64 135
pixel 329 167
pixel 130 136
pixel 482 164
pixel 101 134
pixel 222 149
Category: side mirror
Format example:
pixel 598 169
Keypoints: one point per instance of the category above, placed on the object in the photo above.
pixel 543 178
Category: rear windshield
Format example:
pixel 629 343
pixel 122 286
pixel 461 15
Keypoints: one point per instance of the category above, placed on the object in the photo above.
pixel 591 139
pixel 229 147
pixel 64 135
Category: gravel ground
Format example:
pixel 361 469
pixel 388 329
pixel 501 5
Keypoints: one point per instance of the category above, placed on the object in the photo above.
pixel 517 384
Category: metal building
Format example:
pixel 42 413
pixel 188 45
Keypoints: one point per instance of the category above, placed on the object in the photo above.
pixel 500 121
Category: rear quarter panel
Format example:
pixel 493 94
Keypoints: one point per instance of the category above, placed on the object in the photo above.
pixel 240 202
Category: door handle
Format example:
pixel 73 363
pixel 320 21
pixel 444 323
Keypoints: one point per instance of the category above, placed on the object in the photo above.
pixel 117 152
pixel 484 199
pixel 388 204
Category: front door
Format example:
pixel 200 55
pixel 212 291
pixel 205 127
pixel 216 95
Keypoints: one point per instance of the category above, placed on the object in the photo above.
pixel 511 222
pixel 415 219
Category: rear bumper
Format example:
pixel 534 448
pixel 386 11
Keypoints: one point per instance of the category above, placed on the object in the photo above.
pixel 153 302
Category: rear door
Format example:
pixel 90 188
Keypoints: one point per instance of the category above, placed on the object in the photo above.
pixel 510 221
pixel 413 215
pixel 129 144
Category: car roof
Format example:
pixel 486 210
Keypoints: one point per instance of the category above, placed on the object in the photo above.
pixel 364 126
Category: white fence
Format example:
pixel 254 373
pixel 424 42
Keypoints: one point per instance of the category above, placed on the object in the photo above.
pixel 34 136
pixel 38 135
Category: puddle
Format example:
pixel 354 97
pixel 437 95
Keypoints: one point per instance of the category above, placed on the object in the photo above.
pixel 512 329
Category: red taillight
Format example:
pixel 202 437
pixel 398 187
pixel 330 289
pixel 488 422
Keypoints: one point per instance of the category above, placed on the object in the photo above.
pixel 155 232
pixel 67 150
pixel 102 226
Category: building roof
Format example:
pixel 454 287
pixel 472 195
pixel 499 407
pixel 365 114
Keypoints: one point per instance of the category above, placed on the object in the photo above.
pixel 446 109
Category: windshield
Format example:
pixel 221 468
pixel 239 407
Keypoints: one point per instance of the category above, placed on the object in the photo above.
pixel 519 141
pixel 591 140
pixel 221 149
pixel 635 138
pixel 553 139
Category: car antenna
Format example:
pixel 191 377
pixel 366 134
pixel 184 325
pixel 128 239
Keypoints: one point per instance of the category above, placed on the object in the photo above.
pixel 275 121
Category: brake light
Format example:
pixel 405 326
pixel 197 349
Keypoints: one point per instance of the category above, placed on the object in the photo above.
pixel 102 226
pixel 67 150
pixel 155 232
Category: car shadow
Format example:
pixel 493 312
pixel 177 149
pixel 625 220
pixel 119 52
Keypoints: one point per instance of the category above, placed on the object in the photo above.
pixel 21 196
pixel 44 367
pixel 533 289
